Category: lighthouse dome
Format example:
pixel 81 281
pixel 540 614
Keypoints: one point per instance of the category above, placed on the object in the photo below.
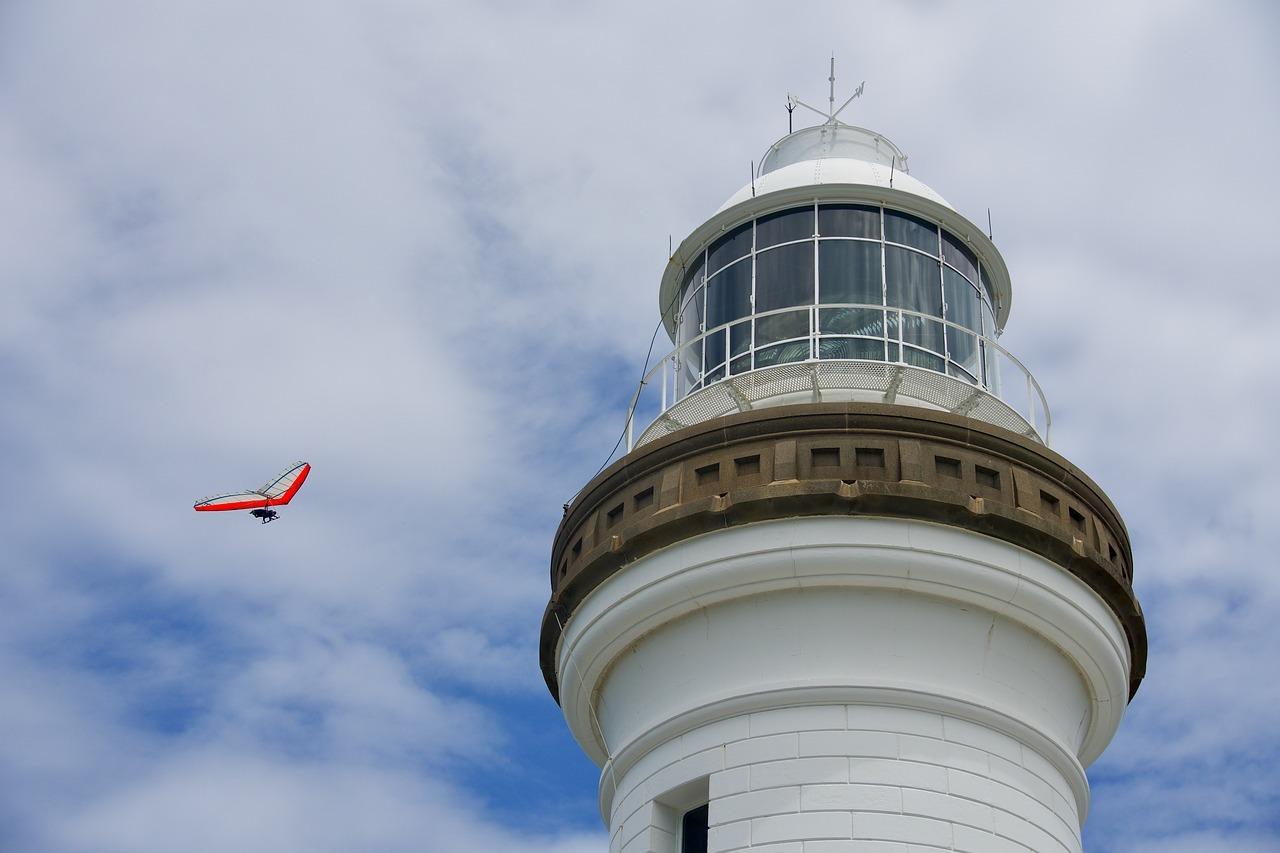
pixel 833 153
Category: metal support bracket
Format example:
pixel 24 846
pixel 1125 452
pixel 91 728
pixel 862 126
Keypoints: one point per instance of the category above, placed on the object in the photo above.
pixel 968 404
pixel 744 404
pixel 891 393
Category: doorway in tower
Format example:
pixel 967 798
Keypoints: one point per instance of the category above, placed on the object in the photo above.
pixel 693 830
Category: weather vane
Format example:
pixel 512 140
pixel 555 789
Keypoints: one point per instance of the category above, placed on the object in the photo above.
pixel 832 114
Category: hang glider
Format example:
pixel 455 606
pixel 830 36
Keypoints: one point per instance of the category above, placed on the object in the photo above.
pixel 277 492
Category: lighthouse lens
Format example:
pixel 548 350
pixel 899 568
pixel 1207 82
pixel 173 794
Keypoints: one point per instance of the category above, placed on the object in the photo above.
pixel 861 348
pixel 868 322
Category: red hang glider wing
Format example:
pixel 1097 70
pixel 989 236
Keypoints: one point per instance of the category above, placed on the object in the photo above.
pixel 235 500
pixel 277 492
pixel 282 489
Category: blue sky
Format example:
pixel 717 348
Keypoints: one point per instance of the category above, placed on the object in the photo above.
pixel 419 245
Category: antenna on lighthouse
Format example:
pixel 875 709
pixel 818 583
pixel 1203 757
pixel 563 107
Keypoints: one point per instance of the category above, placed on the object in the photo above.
pixel 832 114
pixel 831 99
pixel 857 93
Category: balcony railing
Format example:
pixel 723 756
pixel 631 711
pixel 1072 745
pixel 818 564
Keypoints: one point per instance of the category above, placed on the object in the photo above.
pixel 891 354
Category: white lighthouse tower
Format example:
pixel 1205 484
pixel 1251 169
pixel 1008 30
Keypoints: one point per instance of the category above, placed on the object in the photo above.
pixel 840 595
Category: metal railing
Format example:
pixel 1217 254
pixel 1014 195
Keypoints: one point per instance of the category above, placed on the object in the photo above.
pixel 964 356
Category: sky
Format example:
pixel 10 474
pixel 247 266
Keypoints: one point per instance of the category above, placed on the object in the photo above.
pixel 419 245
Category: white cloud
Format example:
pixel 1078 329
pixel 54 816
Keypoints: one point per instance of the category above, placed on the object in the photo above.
pixel 217 801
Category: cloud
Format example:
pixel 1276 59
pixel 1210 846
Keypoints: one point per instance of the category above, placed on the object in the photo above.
pixel 187 802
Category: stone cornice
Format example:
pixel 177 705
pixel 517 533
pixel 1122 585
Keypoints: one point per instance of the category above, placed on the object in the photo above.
pixel 842 459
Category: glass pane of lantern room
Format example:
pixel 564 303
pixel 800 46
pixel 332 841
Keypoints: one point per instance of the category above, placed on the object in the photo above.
pixel 733 245
pixel 958 255
pixel 784 227
pixel 923 333
pixel 849 220
pixel 784 277
pixel 729 294
pixel 740 338
pixel 780 327
pixel 714 350
pixel 913 281
pixel 989 288
pixel 962 300
pixel 690 369
pixel 691 316
pixel 916 358
pixel 849 271
pixel 911 231
pixel 963 348
pixel 692 279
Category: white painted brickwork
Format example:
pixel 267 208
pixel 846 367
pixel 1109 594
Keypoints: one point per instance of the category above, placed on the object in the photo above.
pixel 832 685
pixel 847 779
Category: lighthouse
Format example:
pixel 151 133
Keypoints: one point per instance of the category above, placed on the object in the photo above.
pixel 840 594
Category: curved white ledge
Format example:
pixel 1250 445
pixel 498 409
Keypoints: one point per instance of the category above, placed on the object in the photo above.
pixel 1076 703
pixel 1062 760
